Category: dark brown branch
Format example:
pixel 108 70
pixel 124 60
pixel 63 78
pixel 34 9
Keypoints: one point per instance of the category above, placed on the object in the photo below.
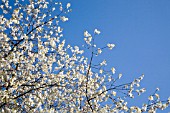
pixel 107 90
pixel 3 104
pixel 88 80
pixel 50 85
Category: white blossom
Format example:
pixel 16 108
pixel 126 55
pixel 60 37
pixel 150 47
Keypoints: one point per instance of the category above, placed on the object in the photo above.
pixel 157 96
pixel 150 98
pixel 96 31
pixel 113 70
pixel 86 34
pixel 113 93
pixel 100 71
pixel 63 18
pixel 68 5
pixel 120 75
pixel 110 46
pixel 99 51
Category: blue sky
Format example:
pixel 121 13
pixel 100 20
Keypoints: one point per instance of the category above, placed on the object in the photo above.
pixel 141 31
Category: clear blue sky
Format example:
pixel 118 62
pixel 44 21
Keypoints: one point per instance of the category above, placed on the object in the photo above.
pixel 141 31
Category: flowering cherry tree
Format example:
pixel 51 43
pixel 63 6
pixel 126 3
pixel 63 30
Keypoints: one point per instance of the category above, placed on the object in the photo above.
pixel 40 73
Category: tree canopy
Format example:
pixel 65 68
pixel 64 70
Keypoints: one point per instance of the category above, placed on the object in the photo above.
pixel 39 72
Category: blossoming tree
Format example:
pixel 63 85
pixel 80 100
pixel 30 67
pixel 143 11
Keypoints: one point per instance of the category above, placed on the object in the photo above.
pixel 40 73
